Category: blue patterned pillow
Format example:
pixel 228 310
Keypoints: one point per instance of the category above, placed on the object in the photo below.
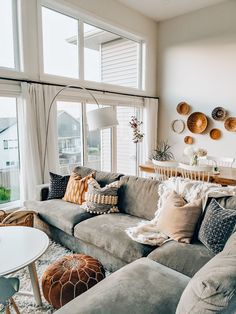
pixel 57 187
pixel 217 226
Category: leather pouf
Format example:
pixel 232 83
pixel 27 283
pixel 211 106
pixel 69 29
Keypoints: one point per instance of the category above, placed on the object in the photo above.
pixel 70 276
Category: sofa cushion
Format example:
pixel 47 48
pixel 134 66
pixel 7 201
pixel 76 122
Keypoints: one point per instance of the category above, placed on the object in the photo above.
pixel 185 258
pixel 138 196
pixel 217 226
pixel 77 187
pixel 213 288
pixel 142 287
pixel 178 218
pixel 102 200
pixel 57 186
pixel 102 177
pixel 59 213
pixel 108 232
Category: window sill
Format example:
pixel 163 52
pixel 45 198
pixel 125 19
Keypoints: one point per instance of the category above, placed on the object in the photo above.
pixel 11 206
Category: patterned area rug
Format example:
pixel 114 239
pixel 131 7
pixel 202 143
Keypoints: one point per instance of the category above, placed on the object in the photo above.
pixel 27 304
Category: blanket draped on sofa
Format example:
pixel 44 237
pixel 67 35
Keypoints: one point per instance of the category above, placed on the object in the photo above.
pixel 147 232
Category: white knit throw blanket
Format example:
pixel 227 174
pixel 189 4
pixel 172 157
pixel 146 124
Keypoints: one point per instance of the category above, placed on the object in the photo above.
pixel 146 232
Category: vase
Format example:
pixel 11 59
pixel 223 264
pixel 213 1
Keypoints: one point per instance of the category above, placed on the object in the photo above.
pixel 194 161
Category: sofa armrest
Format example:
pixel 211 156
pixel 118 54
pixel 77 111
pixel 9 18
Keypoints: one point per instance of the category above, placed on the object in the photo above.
pixel 42 192
pixel 143 286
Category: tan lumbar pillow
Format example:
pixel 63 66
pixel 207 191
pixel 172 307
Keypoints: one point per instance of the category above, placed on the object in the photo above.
pixel 76 188
pixel 178 218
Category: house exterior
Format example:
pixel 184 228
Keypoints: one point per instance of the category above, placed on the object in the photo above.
pixel 8 143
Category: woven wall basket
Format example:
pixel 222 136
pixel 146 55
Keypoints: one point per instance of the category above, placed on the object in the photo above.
pixel 230 124
pixel 197 122
pixel 219 114
pixel 188 140
pixel 215 134
pixel 183 108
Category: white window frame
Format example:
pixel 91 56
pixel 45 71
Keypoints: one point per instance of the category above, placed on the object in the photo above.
pixel 14 91
pixel 115 101
pixel 72 11
pixel 4 70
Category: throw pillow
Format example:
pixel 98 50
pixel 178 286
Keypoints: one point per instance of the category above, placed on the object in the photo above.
pixel 213 287
pixel 217 226
pixel 76 188
pixel 57 187
pixel 102 200
pixel 178 218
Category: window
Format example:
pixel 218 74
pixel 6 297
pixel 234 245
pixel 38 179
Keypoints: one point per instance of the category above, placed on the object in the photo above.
pixel 126 149
pixel 9 154
pixel 60 57
pixel 98 147
pixel 70 139
pixel 8 34
pixel 103 56
pixel 110 58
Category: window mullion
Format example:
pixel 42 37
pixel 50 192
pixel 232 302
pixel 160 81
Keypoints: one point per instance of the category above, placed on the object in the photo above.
pixel 114 147
pixel 85 135
pixel 15 34
pixel 80 41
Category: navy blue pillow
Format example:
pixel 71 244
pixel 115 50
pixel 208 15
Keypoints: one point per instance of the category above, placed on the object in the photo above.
pixel 57 187
pixel 217 226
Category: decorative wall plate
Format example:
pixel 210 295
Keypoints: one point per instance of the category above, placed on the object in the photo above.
pixel 178 126
pixel 219 114
pixel 197 122
pixel 183 108
pixel 215 134
pixel 188 140
pixel 230 124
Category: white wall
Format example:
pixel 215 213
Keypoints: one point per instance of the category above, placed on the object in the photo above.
pixel 197 64
pixel 120 16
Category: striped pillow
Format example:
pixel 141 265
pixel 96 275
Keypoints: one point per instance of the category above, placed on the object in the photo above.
pixel 101 200
pixel 76 188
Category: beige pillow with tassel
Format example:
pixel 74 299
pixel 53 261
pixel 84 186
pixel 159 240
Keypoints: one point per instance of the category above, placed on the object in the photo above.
pixel 178 219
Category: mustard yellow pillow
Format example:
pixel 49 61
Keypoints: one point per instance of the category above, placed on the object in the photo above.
pixel 178 218
pixel 76 188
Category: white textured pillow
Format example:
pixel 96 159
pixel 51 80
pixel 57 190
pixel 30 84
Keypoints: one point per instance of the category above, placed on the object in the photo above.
pixel 101 200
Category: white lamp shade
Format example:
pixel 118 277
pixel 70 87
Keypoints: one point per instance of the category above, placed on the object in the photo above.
pixel 101 118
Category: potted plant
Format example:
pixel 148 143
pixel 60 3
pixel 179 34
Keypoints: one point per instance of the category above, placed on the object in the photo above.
pixel 162 155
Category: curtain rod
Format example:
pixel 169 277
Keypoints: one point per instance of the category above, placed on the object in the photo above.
pixel 77 87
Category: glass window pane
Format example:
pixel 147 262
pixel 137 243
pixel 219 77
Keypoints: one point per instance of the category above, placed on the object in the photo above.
pixel 126 149
pixel 110 58
pixel 70 140
pixel 60 44
pixel 98 147
pixel 9 154
pixel 6 34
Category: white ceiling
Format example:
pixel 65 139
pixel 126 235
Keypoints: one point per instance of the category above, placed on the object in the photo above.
pixel 160 10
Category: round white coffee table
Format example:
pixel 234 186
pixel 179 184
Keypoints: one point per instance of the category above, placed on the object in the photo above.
pixel 21 247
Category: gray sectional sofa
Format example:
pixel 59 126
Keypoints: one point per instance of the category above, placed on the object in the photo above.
pixel 155 278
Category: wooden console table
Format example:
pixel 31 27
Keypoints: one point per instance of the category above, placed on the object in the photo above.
pixel 227 176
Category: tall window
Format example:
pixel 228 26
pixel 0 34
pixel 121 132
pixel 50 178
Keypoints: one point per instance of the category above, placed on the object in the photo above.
pixel 98 147
pixel 9 153
pixel 110 58
pixel 8 34
pixel 88 52
pixel 70 138
pixel 126 149
pixel 60 57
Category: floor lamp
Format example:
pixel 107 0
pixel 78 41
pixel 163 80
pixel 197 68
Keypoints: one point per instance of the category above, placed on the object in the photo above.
pixel 100 118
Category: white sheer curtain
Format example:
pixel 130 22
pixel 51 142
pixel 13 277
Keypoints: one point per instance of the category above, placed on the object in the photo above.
pixel 32 117
pixel 150 123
